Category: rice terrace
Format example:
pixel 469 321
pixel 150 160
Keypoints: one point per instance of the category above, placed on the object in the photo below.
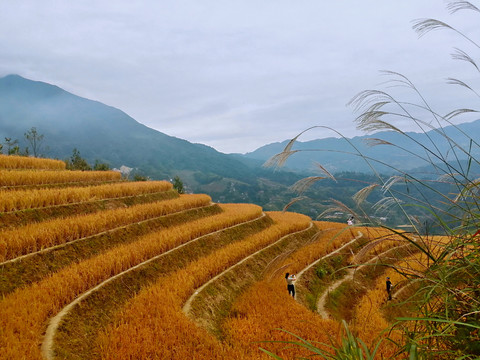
pixel 96 267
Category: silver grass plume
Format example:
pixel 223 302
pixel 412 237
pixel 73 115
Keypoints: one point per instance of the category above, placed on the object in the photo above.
pixel 424 26
pixel 304 184
pixel 457 112
pixel 279 159
pixel 293 201
pixel 453 81
pixel 462 55
pixel 392 181
pixel 361 195
pixel 455 6
pixel 339 206
pixel 371 245
pixel 370 99
pixel 370 102
pixel 325 171
pixel 371 122
pixel 329 210
pixel 448 178
pixel 385 203
pixel 375 142
pixel 470 190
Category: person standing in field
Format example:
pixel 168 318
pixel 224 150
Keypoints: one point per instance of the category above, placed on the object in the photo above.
pixel 389 288
pixel 350 221
pixel 290 283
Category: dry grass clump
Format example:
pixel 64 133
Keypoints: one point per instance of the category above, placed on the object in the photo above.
pixel 23 162
pixel 15 200
pixel 24 313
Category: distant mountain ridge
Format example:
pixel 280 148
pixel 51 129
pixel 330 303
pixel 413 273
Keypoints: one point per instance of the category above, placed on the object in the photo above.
pixel 339 154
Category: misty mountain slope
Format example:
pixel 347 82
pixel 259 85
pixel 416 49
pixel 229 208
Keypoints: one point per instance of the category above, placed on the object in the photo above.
pixel 102 132
pixel 339 154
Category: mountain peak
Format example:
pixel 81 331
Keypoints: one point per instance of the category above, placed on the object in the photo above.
pixel 17 86
pixel 15 78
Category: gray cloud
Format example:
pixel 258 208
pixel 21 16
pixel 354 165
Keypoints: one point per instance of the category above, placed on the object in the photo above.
pixel 232 75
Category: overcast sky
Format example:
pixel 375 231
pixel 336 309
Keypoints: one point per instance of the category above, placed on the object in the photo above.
pixel 236 75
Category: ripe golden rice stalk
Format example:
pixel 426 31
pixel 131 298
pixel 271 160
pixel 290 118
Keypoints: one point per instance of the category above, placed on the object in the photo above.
pixel 23 162
pixel 24 313
pixel 14 200
pixel 37 236
pixel 44 177
pixel 165 300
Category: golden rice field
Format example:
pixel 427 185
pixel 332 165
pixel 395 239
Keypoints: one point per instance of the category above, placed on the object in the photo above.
pixel 172 277
pixel 17 178
pixel 35 198
pixel 23 162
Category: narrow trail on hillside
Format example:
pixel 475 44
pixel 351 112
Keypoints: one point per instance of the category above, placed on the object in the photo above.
pixel 323 299
pixel 188 303
pixel 47 346
pixel 348 277
pixel 358 237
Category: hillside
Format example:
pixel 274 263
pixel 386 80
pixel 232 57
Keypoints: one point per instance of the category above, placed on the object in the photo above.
pixel 103 133
pixel 95 267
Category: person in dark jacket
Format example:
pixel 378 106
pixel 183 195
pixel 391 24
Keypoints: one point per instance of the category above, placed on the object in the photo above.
pixel 290 283
pixel 389 288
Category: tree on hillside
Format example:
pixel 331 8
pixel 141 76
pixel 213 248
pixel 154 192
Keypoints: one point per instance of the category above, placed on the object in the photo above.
pixel 178 185
pixel 12 146
pixel 76 162
pixel 139 177
pixel 35 139
pixel 99 166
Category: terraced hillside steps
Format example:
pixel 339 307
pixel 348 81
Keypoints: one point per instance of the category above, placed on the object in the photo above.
pixel 165 299
pixel 16 179
pixel 16 200
pixel 15 219
pixel 34 267
pixel 48 296
pixel 358 277
pixel 211 302
pixel 97 267
pixel 50 233
pixel 112 294
pixel 23 162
